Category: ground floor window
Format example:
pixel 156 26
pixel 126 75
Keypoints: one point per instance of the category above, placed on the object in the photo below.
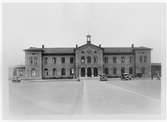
pixel 33 72
pixel 106 71
pixel 114 71
pixel 89 72
pixel 143 70
pixel 46 73
pixel 71 71
pixel 130 70
pixel 122 70
pixel 54 71
pixel 63 71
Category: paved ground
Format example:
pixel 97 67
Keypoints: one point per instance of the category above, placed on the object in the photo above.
pixel 86 97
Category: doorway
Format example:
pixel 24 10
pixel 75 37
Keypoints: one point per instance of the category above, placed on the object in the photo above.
pixel 82 72
pixel 89 72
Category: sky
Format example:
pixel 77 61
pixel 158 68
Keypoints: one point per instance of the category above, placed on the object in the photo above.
pixel 67 24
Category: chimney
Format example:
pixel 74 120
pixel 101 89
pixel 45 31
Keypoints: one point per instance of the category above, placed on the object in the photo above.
pixel 88 39
pixel 99 45
pixel 132 45
pixel 43 46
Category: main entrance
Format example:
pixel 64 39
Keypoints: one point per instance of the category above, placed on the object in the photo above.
pixel 89 72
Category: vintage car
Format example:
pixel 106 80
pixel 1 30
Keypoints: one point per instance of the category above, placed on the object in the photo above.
pixel 126 76
pixel 103 77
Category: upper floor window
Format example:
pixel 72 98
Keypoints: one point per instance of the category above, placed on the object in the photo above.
pixel 82 52
pixel 95 59
pixel 63 60
pixel 114 59
pixel 141 58
pixel 105 60
pixel 88 59
pixel 46 60
pixel 30 60
pixel 71 60
pixel 82 59
pixel 122 59
pixel 130 59
pixel 54 60
pixel 54 72
pixel 145 58
pixel 35 60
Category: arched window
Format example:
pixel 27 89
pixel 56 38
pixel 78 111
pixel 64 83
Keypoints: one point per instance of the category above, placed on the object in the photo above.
pixel 63 71
pixel 33 72
pixel 54 72
pixel 88 59
pixel 82 59
pixel 54 60
pixel 46 73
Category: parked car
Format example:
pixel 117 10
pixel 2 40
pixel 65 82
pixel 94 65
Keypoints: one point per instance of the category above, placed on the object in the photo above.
pixel 103 77
pixel 126 76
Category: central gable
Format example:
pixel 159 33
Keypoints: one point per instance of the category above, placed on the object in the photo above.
pixel 89 47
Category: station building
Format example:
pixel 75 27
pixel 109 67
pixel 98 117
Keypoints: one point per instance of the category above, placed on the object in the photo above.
pixel 87 60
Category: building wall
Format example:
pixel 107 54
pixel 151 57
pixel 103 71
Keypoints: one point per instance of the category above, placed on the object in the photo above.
pixel 141 64
pixel 58 65
pixel 111 65
pixel 33 63
pixel 92 52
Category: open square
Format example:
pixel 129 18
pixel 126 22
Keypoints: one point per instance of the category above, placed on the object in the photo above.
pixel 87 97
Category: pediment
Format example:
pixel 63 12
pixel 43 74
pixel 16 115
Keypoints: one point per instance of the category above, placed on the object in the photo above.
pixel 89 48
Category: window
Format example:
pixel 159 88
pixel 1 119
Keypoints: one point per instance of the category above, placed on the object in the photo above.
pixel 30 60
pixel 54 72
pixel 130 59
pixel 145 59
pixel 82 59
pixel 54 60
pixel 82 52
pixel 114 59
pixel 105 60
pixel 63 60
pixel 130 70
pixel 71 60
pixel 141 59
pixel 14 72
pixel 122 59
pixel 143 70
pixel 95 59
pixel 106 71
pixel 33 72
pixel 114 71
pixel 46 60
pixel 71 71
pixel 46 73
pixel 122 70
pixel 63 71
pixel 88 59
pixel 35 60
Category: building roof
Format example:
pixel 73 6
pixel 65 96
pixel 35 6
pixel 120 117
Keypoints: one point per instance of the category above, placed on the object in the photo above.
pixel 58 50
pixel 155 64
pixel 68 50
pixel 117 50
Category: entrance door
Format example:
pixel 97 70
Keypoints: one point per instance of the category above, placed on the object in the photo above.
pixel 82 72
pixel 89 72
pixel 95 72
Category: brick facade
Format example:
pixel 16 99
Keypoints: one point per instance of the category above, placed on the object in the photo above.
pixel 87 60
